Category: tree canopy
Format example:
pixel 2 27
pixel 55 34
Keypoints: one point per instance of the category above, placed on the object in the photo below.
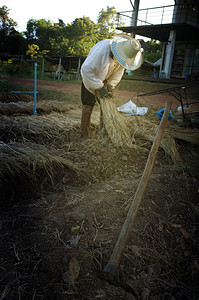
pixel 58 38
pixel 153 51
pixel 107 22
pixel 77 38
pixel 190 4
pixel 11 40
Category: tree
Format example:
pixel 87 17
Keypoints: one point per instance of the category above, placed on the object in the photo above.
pixel 6 23
pixel 38 32
pixel 11 40
pixel 153 51
pixel 58 38
pixel 190 4
pixel 47 35
pixel 107 22
pixel 83 34
pixel 33 50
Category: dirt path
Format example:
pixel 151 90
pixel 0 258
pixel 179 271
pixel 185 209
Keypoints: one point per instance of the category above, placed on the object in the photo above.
pixel 74 89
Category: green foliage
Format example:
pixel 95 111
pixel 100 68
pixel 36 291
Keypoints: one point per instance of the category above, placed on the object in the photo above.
pixel 32 50
pixel 38 32
pixel 107 22
pixel 152 57
pixel 153 51
pixel 191 4
pixel 23 67
pixel 6 23
pixel 11 40
pixel 43 36
pixel 30 32
pixel 5 86
pixel 83 35
pixel 76 38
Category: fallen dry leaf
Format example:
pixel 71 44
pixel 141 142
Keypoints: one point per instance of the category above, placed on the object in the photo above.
pixel 74 267
pixel 176 225
pixel 72 274
pixel 185 233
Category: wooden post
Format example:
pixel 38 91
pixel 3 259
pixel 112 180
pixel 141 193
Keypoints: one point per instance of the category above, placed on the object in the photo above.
pixel 43 62
pixel 111 269
pixel 78 69
pixel 59 68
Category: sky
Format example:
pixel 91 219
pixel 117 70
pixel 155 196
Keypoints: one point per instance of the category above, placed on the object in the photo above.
pixel 68 10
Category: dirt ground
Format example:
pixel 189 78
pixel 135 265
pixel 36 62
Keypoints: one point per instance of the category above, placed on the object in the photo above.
pixel 71 89
pixel 58 232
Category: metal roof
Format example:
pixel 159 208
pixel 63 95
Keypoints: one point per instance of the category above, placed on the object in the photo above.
pixel 184 32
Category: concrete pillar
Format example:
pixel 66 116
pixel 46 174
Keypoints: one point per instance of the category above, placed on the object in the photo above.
pixel 169 52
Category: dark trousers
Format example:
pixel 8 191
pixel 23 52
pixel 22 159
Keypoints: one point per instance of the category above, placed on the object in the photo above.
pixel 87 98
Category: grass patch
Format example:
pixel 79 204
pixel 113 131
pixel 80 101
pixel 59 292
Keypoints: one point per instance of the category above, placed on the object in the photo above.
pixel 6 86
pixel 138 86
pixel 59 96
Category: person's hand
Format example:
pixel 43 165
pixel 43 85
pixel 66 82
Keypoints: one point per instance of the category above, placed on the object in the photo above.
pixel 111 91
pixel 105 93
pixel 110 88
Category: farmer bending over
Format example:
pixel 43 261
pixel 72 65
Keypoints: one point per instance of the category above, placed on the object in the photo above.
pixel 103 69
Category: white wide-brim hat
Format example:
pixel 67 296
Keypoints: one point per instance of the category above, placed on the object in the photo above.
pixel 127 51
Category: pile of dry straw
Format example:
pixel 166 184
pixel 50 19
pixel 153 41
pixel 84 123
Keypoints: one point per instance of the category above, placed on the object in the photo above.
pixel 128 132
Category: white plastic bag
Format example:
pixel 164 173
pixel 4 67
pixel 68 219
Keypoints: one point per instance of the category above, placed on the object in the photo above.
pixel 132 109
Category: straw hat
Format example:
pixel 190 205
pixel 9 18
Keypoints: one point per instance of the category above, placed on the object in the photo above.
pixel 127 51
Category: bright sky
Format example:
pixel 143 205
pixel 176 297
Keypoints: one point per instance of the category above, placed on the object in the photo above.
pixel 23 10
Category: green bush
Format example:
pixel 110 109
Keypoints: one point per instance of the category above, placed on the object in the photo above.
pixel 22 68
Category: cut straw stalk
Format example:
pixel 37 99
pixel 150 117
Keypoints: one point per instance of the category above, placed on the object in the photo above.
pixel 19 160
pixel 45 128
pixel 144 129
pixel 27 107
pixel 114 124
pixel 122 135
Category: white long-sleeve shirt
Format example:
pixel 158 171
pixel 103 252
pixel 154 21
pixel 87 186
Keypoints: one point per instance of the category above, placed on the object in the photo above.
pixel 98 66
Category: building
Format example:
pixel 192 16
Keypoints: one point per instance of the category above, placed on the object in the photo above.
pixel 177 27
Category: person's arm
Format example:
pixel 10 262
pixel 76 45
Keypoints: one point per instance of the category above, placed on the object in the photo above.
pixel 115 78
pixel 93 71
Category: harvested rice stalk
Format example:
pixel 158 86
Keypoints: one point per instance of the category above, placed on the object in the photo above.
pixel 146 130
pixel 14 97
pixel 42 129
pixel 19 160
pixel 186 134
pixel 27 107
pixel 114 124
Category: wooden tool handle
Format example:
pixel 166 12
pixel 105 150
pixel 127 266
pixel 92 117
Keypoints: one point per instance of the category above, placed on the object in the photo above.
pixel 110 271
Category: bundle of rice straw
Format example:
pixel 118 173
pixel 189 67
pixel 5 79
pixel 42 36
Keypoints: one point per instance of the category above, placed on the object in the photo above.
pixel 27 107
pixel 28 159
pixel 146 130
pixel 114 125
